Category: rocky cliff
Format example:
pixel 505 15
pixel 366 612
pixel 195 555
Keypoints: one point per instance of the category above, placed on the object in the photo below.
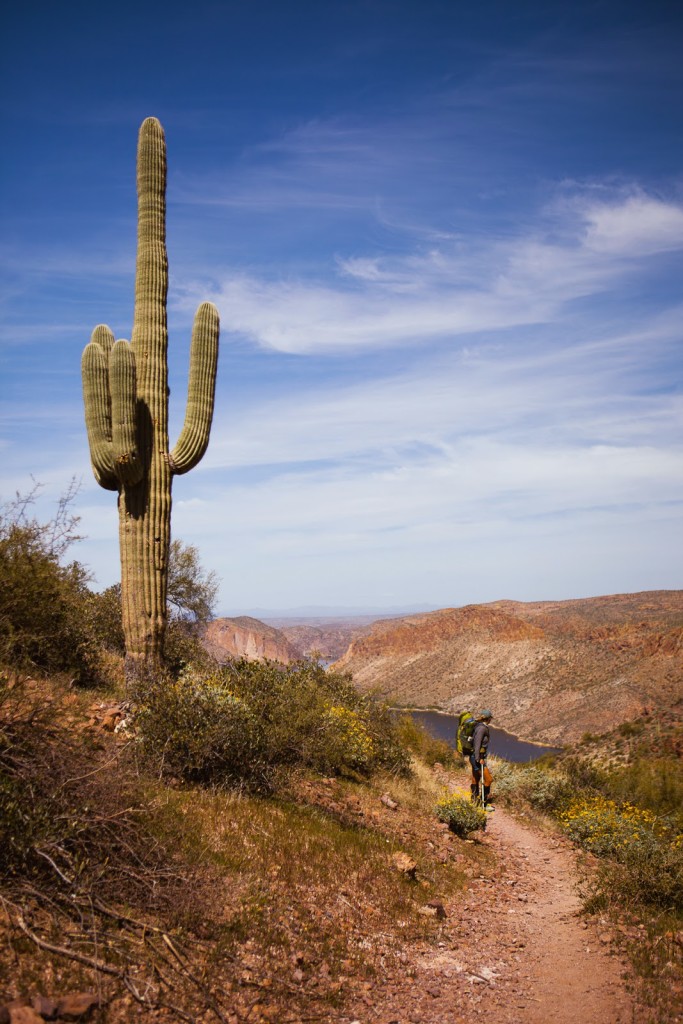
pixel 327 637
pixel 550 671
pixel 244 637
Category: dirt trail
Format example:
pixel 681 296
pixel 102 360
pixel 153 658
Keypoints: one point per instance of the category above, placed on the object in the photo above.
pixel 517 952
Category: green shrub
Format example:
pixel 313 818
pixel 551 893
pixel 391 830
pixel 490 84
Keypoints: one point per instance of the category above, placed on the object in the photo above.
pixel 645 852
pixel 545 788
pixel 247 721
pixel 655 784
pixel 507 779
pixel 50 621
pixel 44 613
pixel 460 814
pixel 417 739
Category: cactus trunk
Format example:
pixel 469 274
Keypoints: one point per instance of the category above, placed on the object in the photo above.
pixel 125 389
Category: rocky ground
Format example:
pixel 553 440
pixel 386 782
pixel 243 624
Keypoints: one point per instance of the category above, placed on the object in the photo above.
pixel 517 950
pixel 512 946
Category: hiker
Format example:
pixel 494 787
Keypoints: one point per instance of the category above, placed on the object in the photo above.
pixel 480 743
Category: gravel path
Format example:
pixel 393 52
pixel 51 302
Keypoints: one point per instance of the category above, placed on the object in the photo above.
pixel 516 952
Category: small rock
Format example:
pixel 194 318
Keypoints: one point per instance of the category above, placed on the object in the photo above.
pixel 46 1007
pixel 438 909
pixel 405 864
pixel 388 802
pixel 111 720
pixel 24 1015
pixel 76 1005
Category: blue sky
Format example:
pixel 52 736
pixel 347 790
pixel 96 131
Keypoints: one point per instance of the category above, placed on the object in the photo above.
pixel 445 240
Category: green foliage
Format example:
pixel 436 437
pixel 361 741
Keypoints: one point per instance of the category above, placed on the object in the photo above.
pixel 416 738
pixel 460 814
pixel 645 852
pixel 45 610
pixel 192 589
pixel 105 616
pixel 507 779
pixel 545 789
pixel 655 784
pixel 245 722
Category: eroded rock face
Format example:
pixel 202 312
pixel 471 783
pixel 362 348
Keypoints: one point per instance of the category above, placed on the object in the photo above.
pixel 244 637
pixel 551 671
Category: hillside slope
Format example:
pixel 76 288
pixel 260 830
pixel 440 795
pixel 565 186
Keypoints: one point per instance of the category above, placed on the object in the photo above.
pixel 244 637
pixel 550 671
pixel 327 637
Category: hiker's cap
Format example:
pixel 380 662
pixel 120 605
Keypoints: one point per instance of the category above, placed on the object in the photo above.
pixel 486 714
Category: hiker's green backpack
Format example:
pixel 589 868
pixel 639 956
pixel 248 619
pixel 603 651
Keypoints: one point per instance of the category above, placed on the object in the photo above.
pixel 465 736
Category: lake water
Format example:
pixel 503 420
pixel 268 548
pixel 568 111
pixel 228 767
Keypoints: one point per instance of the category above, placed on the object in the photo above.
pixel 502 743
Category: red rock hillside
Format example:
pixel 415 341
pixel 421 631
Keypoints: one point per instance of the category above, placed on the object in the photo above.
pixel 550 671
pixel 244 637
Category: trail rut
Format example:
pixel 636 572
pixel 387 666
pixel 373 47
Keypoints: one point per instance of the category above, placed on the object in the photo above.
pixel 517 951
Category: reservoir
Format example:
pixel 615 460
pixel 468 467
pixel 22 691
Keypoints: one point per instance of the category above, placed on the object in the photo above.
pixel 443 727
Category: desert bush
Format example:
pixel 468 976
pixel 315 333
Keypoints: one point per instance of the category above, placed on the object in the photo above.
pixel 546 789
pixel 645 852
pixel 45 613
pixel 583 773
pixel 507 779
pixel 247 721
pixel 460 814
pixel 61 820
pixel 418 740
pixel 655 784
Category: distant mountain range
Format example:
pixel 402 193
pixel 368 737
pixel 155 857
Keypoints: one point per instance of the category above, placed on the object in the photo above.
pixel 307 613
pixel 550 670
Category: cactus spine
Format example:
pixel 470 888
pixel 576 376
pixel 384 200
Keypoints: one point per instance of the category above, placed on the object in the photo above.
pixel 125 392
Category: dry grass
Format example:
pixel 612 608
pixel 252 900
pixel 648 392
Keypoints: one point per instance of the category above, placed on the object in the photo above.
pixel 229 906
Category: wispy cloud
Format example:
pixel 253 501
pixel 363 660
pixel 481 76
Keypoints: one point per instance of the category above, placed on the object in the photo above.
pixel 466 287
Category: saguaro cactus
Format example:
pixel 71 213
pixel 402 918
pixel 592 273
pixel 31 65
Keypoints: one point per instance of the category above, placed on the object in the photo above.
pixel 125 391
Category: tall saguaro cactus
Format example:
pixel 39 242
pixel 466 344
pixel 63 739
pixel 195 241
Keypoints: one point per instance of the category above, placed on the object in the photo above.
pixel 125 391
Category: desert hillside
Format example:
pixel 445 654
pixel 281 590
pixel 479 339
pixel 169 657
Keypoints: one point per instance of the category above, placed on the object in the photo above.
pixel 550 671
pixel 327 637
pixel 244 637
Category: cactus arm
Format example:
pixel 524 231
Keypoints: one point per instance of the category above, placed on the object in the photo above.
pixel 104 337
pixel 194 437
pixel 122 386
pixel 95 376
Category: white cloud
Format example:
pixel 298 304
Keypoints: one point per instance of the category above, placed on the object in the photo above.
pixel 638 226
pixel 458 288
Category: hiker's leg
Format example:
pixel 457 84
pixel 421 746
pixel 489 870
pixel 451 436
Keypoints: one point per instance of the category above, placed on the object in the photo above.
pixel 476 778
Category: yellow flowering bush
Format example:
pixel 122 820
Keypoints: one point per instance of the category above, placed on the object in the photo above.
pixel 460 814
pixel 357 750
pixel 248 722
pixel 610 829
pixel 645 850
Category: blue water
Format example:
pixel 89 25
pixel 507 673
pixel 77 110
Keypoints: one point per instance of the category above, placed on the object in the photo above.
pixel 502 743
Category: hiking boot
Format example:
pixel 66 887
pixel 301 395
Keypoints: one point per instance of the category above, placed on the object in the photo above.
pixel 489 807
